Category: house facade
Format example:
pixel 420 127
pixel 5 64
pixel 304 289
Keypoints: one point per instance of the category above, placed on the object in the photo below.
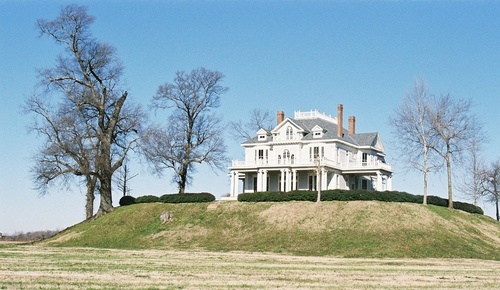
pixel 309 151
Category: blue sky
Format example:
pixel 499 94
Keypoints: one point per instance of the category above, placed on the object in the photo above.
pixel 276 55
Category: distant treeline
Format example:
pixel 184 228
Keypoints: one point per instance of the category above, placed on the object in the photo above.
pixel 29 236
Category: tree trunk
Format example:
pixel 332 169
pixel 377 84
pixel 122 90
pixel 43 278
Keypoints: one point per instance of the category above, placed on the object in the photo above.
pixel 106 203
pixel 90 197
pixel 448 169
pixel 183 178
pixel 105 175
pixel 498 213
pixel 318 184
pixel 495 190
pixel 426 169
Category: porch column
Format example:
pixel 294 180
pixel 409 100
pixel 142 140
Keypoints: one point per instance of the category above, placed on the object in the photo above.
pixel 288 184
pixel 259 181
pixel 282 180
pixel 324 179
pixel 234 183
pixel 294 179
pixel 379 181
pixel 264 180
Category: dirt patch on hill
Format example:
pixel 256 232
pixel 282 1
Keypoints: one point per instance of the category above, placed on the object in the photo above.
pixel 373 215
pixel 61 238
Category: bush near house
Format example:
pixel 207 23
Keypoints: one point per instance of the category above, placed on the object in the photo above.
pixel 127 200
pixel 187 197
pixel 349 195
pixel 147 199
pixel 169 198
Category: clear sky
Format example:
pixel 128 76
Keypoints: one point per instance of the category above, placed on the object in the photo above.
pixel 276 55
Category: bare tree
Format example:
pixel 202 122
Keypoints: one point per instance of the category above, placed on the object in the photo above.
pixel 68 152
pixel 455 126
pixel 412 129
pixel 259 119
pixel 491 185
pixel 470 184
pixel 193 133
pixel 123 179
pixel 86 77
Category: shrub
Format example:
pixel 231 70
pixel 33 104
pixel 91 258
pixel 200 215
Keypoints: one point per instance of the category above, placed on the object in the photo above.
pixel 127 200
pixel 348 195
pixel 187 197
pixel 147 199
pixel 467 207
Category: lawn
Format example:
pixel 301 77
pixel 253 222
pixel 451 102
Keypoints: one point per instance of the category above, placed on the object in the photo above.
pixel 41 267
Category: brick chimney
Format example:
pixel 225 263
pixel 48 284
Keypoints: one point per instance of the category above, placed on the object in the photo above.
pixel 352 125
pixel 280 117
pixel 340 116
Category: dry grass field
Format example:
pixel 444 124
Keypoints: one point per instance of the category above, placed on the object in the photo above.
pixel 41 267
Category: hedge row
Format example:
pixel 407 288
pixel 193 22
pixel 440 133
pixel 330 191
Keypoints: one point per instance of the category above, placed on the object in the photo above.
pixel 348 195
pixel 169 198
pixel 187 197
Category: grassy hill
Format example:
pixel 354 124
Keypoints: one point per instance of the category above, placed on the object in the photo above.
pixel 343 229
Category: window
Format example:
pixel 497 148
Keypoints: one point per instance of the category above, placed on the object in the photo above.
pixel 279 159
pixel 312 182
pixel 293 158
pixel 286 154
pixel 314 152
pixel 261 154
pixel 289 133
pixel 364 184
pixel 364 158
pixel 317 131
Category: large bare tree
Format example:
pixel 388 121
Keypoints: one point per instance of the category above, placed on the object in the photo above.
pixel 193 132
pixel 67 152
pixel 412 129
pixel 455 126
pixel 91 128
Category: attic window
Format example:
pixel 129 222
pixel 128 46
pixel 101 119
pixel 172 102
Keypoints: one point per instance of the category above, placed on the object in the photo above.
pixel 262 135
pixel 317 132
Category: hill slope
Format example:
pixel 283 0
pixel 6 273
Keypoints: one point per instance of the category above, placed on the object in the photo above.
pixel 345 229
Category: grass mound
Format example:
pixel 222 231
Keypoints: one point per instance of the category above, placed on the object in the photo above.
pixel 339 228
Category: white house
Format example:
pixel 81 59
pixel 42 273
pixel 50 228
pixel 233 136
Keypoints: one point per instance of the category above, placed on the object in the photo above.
pixel 310 150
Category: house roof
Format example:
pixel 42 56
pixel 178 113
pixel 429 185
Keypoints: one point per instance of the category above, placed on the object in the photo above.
pixel 329 133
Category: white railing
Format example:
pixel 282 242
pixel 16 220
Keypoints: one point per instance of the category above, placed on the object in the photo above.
pixel 262 163
pixel 314 114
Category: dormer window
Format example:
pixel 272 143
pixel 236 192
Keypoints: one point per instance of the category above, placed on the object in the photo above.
pixel 262 135
pixel 317 132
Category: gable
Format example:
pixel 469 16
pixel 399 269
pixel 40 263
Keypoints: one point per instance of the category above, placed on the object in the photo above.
pixel 378 143
pixel 287 122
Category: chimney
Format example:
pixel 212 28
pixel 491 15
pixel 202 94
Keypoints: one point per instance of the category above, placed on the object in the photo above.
pixel 352 125
pixel 280 117
pixel 340 116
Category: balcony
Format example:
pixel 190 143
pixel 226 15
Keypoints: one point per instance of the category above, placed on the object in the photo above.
pixel 325 162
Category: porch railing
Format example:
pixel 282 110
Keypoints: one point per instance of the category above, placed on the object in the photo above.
pixel 263 163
